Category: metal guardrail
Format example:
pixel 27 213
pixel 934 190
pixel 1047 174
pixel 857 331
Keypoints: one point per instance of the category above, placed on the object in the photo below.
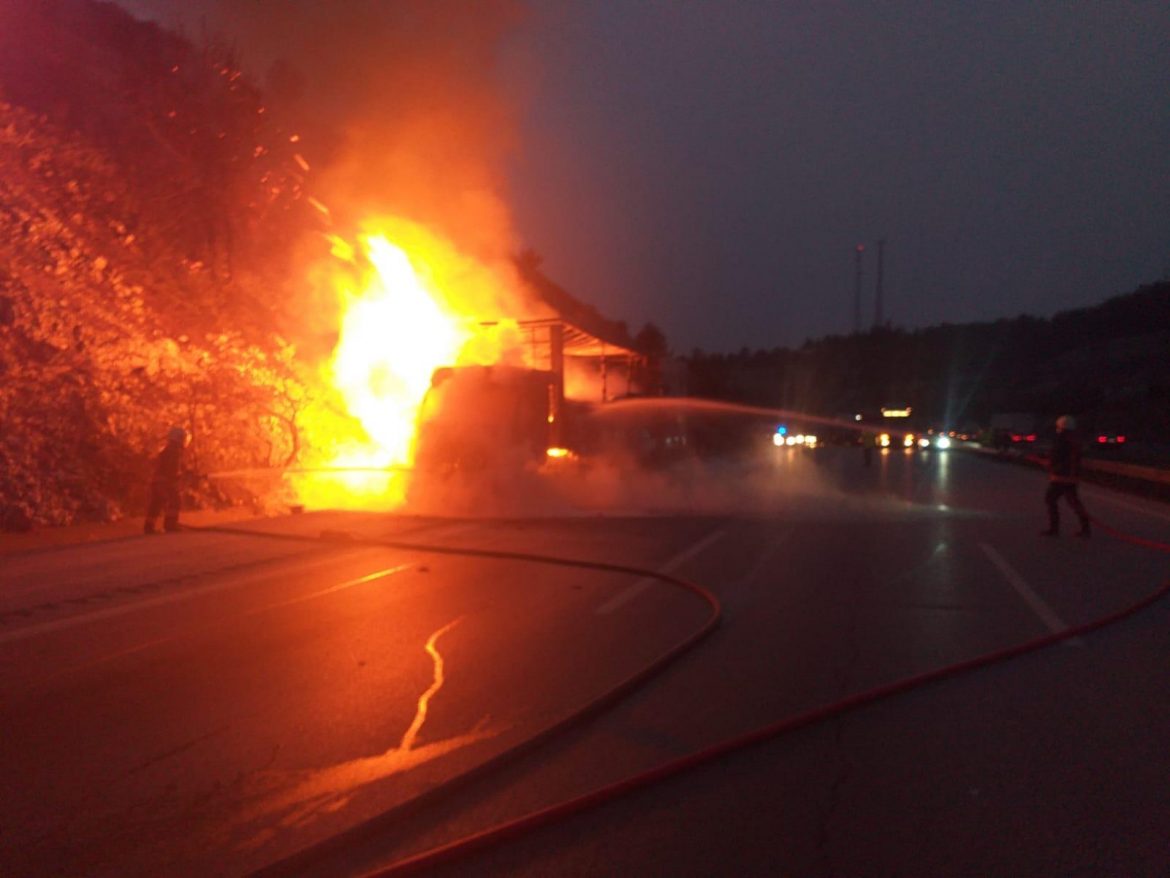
pixel 1128 470
pixel 1150 474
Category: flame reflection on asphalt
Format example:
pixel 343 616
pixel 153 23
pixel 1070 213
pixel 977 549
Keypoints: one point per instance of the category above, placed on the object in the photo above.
pixel 294 799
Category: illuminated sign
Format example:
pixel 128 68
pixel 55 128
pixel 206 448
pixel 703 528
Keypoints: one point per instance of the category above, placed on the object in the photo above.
pixel 896 413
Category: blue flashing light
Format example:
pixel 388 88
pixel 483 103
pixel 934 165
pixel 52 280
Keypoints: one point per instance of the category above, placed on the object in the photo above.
pixel 782 430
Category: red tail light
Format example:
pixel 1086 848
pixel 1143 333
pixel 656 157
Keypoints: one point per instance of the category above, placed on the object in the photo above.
pixel 1016 437
pixel 1031 437
pixel 1102 439
pixel 1120 438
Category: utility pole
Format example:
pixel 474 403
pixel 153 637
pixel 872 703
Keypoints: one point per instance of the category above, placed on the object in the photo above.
pixel 877 305
pixel 857 288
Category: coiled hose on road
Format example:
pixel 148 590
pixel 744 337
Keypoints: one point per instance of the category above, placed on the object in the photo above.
pixel 563 810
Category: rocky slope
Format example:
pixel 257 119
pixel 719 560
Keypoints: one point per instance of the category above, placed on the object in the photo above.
pixel 129 301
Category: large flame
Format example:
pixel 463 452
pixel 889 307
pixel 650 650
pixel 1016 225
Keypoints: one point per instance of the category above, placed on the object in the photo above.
pixel 410 303
pixel 393 337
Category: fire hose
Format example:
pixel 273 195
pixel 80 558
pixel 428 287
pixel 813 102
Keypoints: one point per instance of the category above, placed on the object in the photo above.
pixel 524 824
pixel 294 864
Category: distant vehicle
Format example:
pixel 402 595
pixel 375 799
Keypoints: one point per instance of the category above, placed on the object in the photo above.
pixel 1107 444
pixel 900 429
pixel 933 440
pixel 1110 438
pixel 896 428
pixel 1013 429
pixel 786 437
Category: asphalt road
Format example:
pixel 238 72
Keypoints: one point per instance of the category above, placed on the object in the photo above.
pixel 216 703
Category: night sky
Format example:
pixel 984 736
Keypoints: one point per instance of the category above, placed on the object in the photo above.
pixel 711 167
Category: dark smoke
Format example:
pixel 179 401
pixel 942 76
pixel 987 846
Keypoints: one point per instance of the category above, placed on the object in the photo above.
pixel 400 104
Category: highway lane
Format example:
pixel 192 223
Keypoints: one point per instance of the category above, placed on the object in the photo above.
pixel 241 708
pixel 228 724
pixel 1052 765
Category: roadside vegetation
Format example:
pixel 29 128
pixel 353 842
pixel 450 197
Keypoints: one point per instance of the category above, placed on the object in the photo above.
pixel 146 202
pixel 154 213
pixel 1108 364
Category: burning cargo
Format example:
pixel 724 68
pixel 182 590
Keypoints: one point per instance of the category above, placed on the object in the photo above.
pixel 479 417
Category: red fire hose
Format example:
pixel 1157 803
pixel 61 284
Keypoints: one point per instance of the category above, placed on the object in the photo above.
pixel 514 828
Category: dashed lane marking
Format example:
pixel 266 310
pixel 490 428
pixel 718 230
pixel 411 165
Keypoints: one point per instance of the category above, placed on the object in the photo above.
pixel 1037 604
pixel 628 594
pixel 741 593
pixel 185 594
pixel 361 580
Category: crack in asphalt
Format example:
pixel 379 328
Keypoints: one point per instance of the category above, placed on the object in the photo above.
pixel 293 799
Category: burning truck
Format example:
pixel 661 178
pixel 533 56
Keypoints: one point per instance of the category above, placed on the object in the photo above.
pixel 429 377
pixel 553 410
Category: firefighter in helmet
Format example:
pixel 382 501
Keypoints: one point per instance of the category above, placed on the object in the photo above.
pixel 164 484
pixel 1064 463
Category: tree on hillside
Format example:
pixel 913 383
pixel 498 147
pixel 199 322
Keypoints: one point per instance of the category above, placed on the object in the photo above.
pixel 650 342
pixel 1105 362
pixel 122 227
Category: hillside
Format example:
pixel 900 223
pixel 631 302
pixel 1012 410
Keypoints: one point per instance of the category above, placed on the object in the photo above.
pixel 124 302
pixel 155 227
pixel 151 207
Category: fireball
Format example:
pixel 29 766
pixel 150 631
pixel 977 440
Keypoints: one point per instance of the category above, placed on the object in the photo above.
pixel 409 303
pixel 393 337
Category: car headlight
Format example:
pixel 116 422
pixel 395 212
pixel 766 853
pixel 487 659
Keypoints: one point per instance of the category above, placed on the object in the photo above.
pixel 942 442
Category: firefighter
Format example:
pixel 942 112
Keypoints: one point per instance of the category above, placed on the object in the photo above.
pixel 1064 463
pixel 164 485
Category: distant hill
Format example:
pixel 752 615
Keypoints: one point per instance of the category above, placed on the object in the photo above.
pixel 1109 363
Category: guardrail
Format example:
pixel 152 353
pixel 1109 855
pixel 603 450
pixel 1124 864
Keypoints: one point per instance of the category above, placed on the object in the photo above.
pixel 1150 481
pixel 1128 470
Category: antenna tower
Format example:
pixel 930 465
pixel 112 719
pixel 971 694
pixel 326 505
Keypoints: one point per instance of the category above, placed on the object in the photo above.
pixel 857 288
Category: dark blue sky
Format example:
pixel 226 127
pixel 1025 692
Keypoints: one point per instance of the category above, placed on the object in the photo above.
pixel 710 166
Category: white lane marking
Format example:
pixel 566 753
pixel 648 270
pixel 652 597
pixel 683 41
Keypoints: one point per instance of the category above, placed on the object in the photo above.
pixel 766 556
pixel 741 589
pixel 372 577
pixel 147 603
pixel 628 594
pixel 361 580
pixel 1043 612
pixel 1103 497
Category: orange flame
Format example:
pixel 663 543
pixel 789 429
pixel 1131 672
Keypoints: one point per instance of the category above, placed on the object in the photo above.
pixel 410 303
pixel 393 336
